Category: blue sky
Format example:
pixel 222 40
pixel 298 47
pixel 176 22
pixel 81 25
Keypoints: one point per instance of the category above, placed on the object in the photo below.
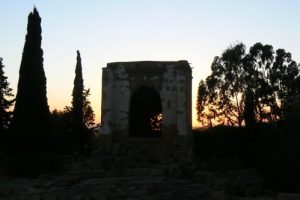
pixel 131 30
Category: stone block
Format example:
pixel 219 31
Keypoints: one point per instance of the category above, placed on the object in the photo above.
pixel 104 142
pixel 169 84
pixel 204 177
pixel 289 196
pixel 115 149
pixel 219 195
pixel 233 188
pixel 254 191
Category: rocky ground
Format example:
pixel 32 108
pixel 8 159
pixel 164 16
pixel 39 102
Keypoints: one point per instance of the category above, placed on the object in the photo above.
pixel 124 174
pixel 87 181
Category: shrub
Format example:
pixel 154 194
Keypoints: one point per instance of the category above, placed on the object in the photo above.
pixel 272 150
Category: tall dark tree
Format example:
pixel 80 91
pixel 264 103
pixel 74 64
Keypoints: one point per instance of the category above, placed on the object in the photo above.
pixel 225 87
pixel 283 78
pixel 31 120
pixel 6 103
pixel 78 103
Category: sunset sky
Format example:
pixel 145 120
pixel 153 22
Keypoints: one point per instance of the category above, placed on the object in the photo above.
pixel 133 30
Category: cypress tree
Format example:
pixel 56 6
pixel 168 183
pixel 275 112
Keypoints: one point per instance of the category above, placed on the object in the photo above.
pixel 31 120
pixel 5 93
pixel 78 103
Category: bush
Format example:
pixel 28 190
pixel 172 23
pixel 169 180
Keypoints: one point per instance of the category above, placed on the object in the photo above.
pixel 272 150
pixel 220 142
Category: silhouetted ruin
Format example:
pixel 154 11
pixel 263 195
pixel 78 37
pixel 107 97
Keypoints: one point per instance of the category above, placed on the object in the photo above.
pixel 148 103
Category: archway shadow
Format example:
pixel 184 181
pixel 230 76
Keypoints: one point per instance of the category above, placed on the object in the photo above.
pixel 145 113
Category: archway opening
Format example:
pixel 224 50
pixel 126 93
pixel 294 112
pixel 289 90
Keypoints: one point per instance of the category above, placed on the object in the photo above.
pixel 145 113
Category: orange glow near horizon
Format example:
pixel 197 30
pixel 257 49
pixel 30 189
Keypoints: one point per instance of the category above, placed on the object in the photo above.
pixel 156 122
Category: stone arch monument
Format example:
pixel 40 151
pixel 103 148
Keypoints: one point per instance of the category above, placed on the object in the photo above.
pixel 148 103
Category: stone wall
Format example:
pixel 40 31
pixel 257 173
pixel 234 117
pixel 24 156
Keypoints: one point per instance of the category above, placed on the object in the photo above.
pixel 171 80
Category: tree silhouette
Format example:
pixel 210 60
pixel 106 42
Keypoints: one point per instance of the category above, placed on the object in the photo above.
pixel 88 113
pixel 6 103
pixel 78 103
pixel 31 120
pixel 64 119
pixel 297 81
pixel 204 113
pixel 225 86
pixel 257 65
pixel 283 79
pixel 248 87
pixel 249 109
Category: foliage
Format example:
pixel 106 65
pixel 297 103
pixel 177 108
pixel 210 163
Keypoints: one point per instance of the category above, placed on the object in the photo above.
pixel 88 112
pixel 61 137
pixel 77 103
pixel 247 87
pixel 249 108
pixel 204 113
pixel 224 87
pixel 255 89
pixel 6 103
pixel 62 118
pixel 283 78
pixel 273 151
pixel 31 116
pixel 82 115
